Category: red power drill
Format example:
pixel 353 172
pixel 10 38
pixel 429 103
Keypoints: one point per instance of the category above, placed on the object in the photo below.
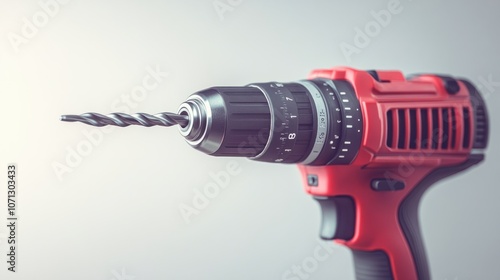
pixel 368 145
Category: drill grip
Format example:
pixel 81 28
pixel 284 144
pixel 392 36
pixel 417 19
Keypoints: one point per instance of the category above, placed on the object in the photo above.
pixel 408 212
pixel 385 235
pixel 372 265
pixel 376 265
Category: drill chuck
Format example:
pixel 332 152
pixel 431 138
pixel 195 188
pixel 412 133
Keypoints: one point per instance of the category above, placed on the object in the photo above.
pixel 302 122
pixel 221 119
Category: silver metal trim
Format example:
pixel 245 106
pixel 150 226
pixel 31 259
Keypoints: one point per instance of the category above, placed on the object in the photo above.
pixel 320 105
pixel 184 108
pixel 198 132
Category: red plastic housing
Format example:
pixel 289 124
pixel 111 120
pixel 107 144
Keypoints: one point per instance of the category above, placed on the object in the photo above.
pixel 410 128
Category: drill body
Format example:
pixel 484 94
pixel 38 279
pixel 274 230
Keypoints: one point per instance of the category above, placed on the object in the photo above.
pixel 416 131
pixel 367 143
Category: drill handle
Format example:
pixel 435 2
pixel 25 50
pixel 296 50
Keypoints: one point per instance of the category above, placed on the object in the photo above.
pixel 379 223
pixel 408 213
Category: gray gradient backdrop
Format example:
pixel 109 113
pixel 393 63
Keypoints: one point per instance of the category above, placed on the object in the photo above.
pixel 115 215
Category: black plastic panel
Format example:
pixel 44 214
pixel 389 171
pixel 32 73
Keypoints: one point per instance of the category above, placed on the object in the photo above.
pixel 408 213
pixel 372 265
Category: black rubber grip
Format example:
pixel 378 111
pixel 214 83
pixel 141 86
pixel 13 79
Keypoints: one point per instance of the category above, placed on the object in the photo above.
pixel 481 122
pixel 408 213
pixel 372 265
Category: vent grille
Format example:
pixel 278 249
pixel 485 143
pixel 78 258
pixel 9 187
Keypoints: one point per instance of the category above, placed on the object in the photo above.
pixel 481 132
pixel 429 128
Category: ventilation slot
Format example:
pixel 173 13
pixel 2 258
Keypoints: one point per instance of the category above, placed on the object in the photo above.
pixel 424 121
pixel 435 128
pixel 453 128
pixel 390 129
pixel 413 129
pixel 401 129
pixel 466 116
pixel 445 135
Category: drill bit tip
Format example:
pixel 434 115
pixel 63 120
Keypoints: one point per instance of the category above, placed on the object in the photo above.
pixel 122 120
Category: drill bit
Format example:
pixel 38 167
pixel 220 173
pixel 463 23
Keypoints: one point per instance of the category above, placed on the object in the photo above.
pixel 122 120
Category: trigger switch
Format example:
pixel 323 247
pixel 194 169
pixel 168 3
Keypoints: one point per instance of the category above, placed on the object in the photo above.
pixel 337 217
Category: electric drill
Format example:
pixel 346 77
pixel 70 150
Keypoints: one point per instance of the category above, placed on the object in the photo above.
pixel 367 143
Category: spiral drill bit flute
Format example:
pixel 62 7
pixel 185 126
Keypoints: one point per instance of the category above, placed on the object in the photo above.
pixel 122 120
pixel 349 131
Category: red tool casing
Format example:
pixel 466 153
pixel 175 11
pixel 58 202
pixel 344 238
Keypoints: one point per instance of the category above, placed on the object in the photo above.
pixel 411 128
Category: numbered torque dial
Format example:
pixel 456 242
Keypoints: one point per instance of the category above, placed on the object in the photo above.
pixel 347 113
pixel 284 123
pixel 318 121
